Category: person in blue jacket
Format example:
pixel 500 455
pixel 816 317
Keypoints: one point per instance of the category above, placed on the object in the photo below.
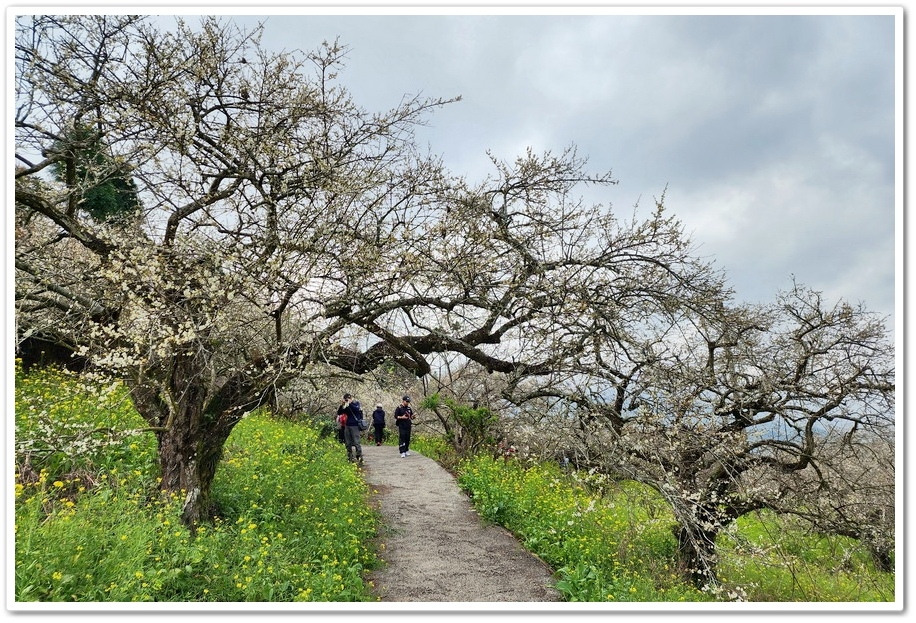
pixel 378 424
pixel 352 433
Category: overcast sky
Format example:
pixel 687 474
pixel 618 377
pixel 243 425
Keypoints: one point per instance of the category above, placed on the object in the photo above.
pixel 773 134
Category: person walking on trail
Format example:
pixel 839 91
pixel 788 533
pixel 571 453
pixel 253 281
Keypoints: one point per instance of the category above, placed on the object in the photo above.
pixel 403 417
pixel 341 418
pixel 352 428
pixel 378 424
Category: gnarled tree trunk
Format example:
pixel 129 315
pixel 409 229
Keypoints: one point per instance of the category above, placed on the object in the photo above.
pixel 696 552
pixel 192 421
pixel 188 457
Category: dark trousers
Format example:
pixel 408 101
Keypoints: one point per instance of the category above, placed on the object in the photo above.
pixel 378 432
pixel 403 439
pixel 351 438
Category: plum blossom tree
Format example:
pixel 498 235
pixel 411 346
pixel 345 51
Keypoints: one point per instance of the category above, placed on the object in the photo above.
pixel 254 172
pixel 281 226
pixel 727 410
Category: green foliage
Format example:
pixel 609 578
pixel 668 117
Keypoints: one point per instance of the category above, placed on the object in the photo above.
pixel 293 521
pixel 471 428
pixel 612 541
pixel 113 199
pixel 588 582
pixel 324 423
pixel 284 481
pixel 66 426
pixel 78 547
pixel 109 193
pixel 434 447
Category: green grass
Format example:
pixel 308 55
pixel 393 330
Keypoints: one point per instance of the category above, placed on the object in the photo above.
pixel 618 547
pixel 294 521
pixel 613 541
pixel 774 559
pixel 295 524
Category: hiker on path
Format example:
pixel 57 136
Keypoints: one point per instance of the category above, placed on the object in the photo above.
pixel 403 417
pixel 341 418
pixel 378 424
pixel 353 427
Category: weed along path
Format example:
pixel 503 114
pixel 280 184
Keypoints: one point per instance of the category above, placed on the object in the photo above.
pixel 436 548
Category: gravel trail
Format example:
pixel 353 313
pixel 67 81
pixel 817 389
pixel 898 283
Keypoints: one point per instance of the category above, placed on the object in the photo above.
pixel 435 546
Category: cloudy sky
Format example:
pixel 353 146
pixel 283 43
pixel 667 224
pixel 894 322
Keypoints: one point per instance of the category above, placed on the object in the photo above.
pixel 772 136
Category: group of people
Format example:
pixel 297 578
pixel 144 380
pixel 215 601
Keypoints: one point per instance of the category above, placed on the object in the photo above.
pixel 351 424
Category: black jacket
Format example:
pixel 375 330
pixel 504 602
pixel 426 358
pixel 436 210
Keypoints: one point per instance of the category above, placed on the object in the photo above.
pixel 401 411
pixel 378 417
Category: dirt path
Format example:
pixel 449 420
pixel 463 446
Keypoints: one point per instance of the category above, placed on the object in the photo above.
pixel 436 548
